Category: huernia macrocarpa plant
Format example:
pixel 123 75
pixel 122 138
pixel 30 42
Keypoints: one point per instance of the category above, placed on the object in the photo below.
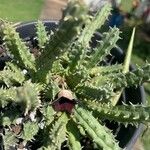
pixel 65 93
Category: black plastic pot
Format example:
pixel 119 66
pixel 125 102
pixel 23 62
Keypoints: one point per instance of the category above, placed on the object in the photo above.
pixel 126 136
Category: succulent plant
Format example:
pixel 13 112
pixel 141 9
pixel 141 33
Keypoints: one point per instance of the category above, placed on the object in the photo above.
pixel 65 93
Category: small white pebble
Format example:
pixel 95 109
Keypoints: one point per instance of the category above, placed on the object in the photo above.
pixel 41 125
pixel 32 116
pixel 24 71
pixel 19 120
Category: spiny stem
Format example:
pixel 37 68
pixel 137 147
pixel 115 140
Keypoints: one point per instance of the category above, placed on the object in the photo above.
pixel 126 65
pixel 102 137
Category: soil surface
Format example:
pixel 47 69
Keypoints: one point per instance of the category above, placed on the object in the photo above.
pixel 52 9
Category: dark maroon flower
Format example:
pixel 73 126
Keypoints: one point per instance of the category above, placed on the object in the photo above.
pixel 64 102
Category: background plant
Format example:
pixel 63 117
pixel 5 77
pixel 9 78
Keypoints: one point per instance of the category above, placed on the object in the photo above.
pixel 66 62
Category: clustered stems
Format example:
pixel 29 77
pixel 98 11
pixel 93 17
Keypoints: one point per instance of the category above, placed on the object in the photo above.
pixel 65 93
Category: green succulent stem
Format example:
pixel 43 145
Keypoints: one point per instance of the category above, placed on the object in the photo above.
pixel 18 49
pixel 103 138
pixel 11 75
pixel 126 66
pixel 132 79
pixel 73 136
pixel 94 24
pixel 104 46
pixel 58 132
pixel 30 129
pixel 105 70
pixel 101 93
pixel 41 35
pixel 127 114
pixel 7 96
pixel 74 17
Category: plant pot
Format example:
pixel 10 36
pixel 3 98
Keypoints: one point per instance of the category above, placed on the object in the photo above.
pixel 126 136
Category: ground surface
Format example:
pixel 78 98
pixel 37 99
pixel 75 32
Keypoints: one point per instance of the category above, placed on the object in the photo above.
pixel 52 9
pixel 20 10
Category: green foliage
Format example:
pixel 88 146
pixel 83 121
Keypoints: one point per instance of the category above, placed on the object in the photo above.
pixel 33 90
pixel 30 129
pixel 93 92
pixel 78 75
pixel 58 132
pixel 126 114
pixel 51 90
pixel 135 78
pixel 7 117
pixel 108 42
pixel 73 136
pixel 103 138
pixel 41 35
pixel 27 97
pixel 74 16
pixel 9 140
pixel 48 113
pixel 94 24
pixel 7 95
pixel 11 75
pixel 76 55
pixel 105 70
pixel 17 48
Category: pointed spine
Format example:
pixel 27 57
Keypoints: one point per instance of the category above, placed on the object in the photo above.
pixel 126 65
